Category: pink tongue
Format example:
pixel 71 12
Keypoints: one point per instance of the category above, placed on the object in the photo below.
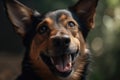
pixel 63 63
pixel 62 68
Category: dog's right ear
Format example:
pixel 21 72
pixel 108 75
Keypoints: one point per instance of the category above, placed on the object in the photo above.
pixel 20 16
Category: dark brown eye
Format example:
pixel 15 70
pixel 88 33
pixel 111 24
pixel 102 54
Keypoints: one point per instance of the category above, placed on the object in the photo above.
pixel 43 29
pixel 71 24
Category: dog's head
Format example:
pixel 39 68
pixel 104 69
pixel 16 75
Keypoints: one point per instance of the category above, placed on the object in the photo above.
pixel 55 40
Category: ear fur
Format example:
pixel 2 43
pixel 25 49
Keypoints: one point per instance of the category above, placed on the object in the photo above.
pixel 85 10
pixel 20 16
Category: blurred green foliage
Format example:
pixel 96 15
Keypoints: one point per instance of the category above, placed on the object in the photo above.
pixel 104 41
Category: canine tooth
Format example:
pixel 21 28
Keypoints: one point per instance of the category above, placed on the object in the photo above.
pixel 70 58
pixel 52 60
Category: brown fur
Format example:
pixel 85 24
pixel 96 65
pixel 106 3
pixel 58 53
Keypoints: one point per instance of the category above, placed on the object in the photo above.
pixel 58 34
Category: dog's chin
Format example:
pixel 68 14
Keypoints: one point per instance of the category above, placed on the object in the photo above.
pixel 62 65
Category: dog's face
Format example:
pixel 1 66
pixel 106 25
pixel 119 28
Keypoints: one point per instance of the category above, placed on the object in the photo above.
pixel 55 40
pixel 58 42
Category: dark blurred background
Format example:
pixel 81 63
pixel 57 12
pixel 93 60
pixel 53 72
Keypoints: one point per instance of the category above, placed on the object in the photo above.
pixel 103 40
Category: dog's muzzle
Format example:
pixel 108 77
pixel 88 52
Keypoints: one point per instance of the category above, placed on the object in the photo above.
pixel 62 59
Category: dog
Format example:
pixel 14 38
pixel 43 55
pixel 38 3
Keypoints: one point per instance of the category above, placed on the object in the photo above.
pixel 55 42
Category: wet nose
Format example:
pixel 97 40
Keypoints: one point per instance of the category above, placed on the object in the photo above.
pixel 61 41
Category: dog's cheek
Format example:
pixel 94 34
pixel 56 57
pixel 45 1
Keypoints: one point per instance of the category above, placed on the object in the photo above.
pixel 34 51
pixel 75 43
pixel 50 48
pixel 40 68
pixel 82 43
pixel 38 39
pixel 79 41
pixel 38 45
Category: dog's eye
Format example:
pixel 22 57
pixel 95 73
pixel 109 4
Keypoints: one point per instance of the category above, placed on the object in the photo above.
pixel 71 24
pixel 43 29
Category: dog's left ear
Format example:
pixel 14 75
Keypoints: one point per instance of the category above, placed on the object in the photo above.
pixel 85 10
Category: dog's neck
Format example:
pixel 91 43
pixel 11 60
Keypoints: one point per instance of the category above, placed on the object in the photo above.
pixel 27 71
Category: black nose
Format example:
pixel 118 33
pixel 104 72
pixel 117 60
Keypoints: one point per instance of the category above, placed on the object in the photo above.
pixel 61 41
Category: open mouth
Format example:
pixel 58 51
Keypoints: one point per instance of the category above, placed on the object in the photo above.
pixel 60 65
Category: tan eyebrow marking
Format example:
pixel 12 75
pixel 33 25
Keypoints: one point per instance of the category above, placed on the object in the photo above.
pixel 48 21
pixel 63 17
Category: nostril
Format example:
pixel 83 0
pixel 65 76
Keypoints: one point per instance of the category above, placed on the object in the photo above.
pixel 66 41
pixel 56 42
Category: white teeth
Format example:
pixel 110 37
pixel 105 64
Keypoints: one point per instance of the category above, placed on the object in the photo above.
pixel 52 60
pixel 70 58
